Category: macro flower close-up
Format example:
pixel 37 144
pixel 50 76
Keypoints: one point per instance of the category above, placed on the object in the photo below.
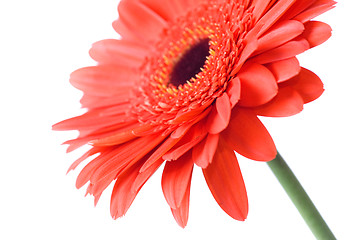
pixel 184 85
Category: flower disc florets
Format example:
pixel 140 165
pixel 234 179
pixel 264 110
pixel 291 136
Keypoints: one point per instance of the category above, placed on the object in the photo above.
pixel 212 32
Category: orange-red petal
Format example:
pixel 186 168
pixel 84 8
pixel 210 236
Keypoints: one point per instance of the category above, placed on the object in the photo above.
pixel 316 33
pixel 315 9
pixel 288 102
pixel 181 213
pixel 287 50
pixel 224 179
pixel 193 137
pixel 272 16
pixel 234 91
pixel 247 136
pixel 104 80
pixel 119 52
pixel 308 85
pixel 220 115
pixel 258 85
pixel 122 193
pixel 284 69
pixel 202 153
pixel 279 34
pixel 139 20
pixel 170 10
pixel 175 179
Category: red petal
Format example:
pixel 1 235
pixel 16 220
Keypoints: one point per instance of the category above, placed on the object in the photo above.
pixel 96 119
pixel 87 172
pixel 259 8
pixel 297 8
pixel 92 102
pixel 247 136
pixel 220 115
pixel 202 153
pixel 159 152
pixel 284 69
pixel 170 10
pixel 287 103
pixel 308 85
pixel 119 52
pixel 121 137
pixel 190 114
pixel 279 34
pixel 273 15
pixel 175 179
pixel 141 21
pixel 105 80
pixel 314 10
pixel 193 137
pixel 181 213
pixel 288 50
pixel 224 179
pixel 316 32
pixel 144 175
pixel 250 46
pixel 131 153
pixel 234 91
pixel 122 193
pixel 258 85
pixel 85 156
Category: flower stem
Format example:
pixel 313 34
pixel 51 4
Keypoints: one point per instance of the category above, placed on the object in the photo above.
pixel 300 199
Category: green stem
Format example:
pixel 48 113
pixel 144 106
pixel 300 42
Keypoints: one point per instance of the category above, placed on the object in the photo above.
pixel 300 199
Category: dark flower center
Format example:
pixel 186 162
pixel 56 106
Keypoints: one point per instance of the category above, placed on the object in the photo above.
pixel 190 63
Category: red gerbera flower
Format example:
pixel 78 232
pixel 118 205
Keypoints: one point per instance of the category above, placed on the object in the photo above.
pixel 185 85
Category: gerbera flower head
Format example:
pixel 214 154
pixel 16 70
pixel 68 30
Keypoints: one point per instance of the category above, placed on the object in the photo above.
pixel 185 85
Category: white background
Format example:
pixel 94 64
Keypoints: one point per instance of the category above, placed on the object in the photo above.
pixel 42 42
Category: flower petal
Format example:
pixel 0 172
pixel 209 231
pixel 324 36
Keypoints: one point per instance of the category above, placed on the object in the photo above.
pixel 119 52
pixel 175 179
pixel 190 114
pixel 273 15
pixel 284 69
pixel 314 10
pixel 181 213
pixel 105 80
pixel 90 120
pixel 279 34
pixel 287 50
pixel 251 45
pixel 86 155
pixel 308 85
pixel 224 179
pixel 166 9
pixel 171 141
pixel 297 8
pixel 202 153
pixel 234 91
pixel 122 193
pixel 259 8
pixel 316 33
pixel 247 136
pixel 258 85
pixel 193 137
pixel 93 102
pixel 139 21
pixel 122 136
pixel 145 174
pixel 170 10
pixel 288 102
pixel 131 153
pixel 220 115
